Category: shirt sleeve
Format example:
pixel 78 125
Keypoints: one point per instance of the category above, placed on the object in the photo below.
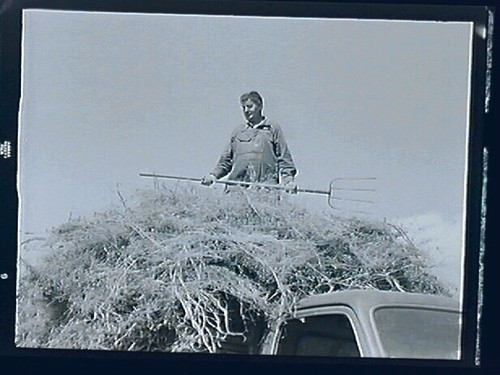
pixel 286 166
pixel 225 162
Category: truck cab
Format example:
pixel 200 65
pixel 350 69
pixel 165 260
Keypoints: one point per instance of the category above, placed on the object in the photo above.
pixel 371 323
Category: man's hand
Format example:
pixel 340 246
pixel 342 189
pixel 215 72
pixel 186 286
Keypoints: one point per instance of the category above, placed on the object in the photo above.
pixel 208 180
pixel 289 184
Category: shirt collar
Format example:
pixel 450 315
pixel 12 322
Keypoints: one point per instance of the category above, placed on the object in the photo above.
pixel 261 124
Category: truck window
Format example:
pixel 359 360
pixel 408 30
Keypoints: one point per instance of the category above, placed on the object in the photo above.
pixel 418 333
pixel 324 335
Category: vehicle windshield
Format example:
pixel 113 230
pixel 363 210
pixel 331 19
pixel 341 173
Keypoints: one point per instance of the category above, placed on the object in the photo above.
pixel 418 332
pixel 327 335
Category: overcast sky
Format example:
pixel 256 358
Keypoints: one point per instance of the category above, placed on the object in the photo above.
pixel 106 96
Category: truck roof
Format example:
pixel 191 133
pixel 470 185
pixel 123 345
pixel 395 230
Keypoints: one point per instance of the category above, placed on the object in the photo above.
pixel 367 298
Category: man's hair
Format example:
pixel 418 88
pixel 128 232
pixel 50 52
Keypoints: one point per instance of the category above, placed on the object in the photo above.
pixel 254 96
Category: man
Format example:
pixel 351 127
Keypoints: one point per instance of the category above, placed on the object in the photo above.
pixel 257 150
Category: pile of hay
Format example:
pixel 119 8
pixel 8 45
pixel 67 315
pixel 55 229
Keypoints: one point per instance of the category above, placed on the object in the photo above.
pixel 190 270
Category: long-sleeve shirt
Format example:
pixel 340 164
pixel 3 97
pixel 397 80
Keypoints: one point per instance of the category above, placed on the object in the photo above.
pixel 256 153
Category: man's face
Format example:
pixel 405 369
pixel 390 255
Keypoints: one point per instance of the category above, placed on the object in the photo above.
pixel 252 111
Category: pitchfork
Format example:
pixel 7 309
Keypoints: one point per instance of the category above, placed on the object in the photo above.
pixel 331 193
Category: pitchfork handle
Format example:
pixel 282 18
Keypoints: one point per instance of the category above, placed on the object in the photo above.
pixel 225 182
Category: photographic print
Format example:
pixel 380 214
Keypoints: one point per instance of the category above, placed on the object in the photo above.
pixel 283 186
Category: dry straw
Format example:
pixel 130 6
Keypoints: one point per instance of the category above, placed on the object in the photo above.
pixel 196 269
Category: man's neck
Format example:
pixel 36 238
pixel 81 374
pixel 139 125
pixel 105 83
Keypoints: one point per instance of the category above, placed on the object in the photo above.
pixel 256 121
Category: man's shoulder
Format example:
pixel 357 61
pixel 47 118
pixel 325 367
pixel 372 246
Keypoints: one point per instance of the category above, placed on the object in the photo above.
pixel 239 128
pixel 274 126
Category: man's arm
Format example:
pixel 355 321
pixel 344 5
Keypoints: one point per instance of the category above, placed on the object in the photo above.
pixel 225 162
pixel 223 166
pixel 286 166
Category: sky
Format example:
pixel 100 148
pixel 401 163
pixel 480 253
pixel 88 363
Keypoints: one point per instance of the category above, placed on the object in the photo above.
pixel 106 96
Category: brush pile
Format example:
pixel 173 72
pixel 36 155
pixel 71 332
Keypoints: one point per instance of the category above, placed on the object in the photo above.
pixel 190 270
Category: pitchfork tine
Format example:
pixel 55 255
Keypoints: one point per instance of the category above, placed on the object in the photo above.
pixel 333 188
